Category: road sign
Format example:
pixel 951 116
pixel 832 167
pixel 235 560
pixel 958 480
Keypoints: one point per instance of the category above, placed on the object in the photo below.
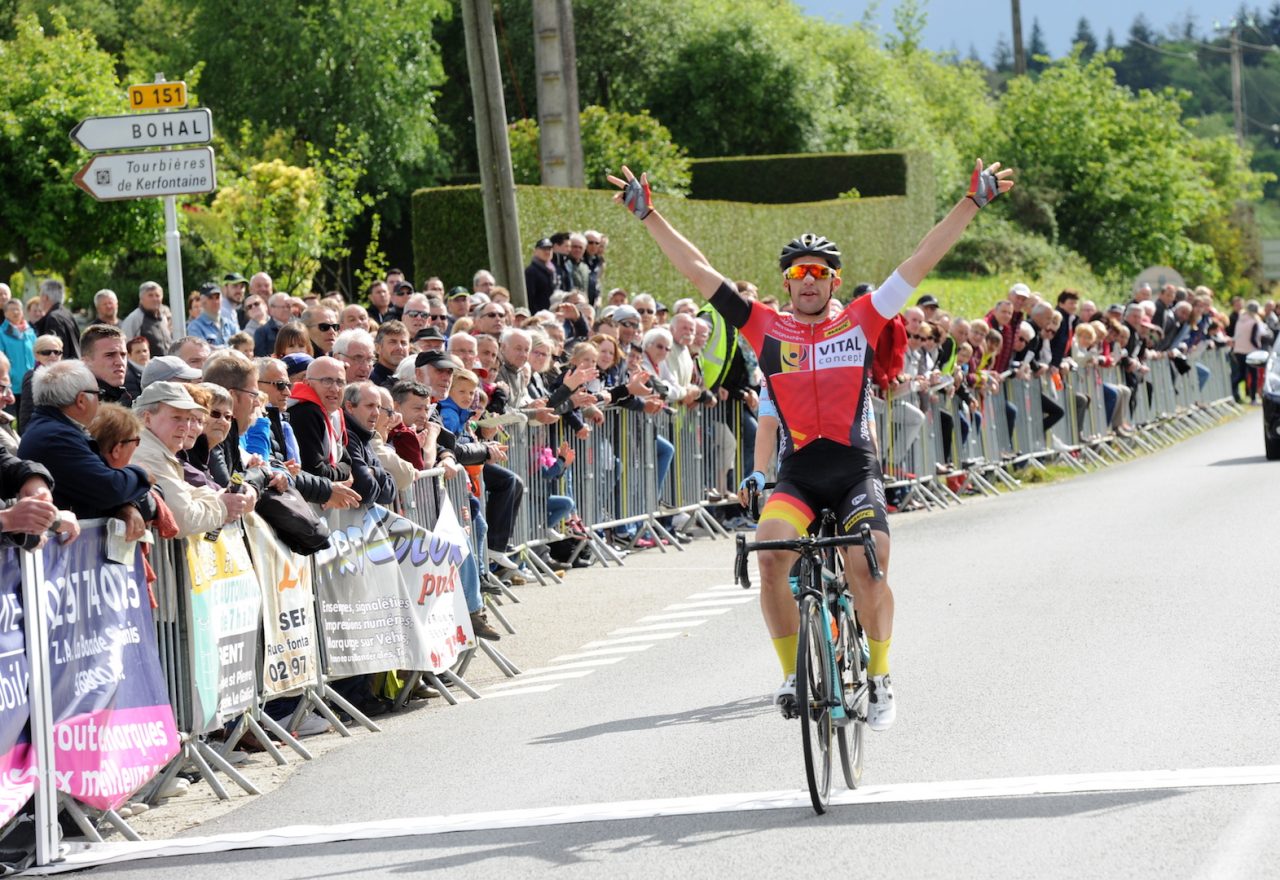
pixel 158 96
pixel 138 130
pixel 114 176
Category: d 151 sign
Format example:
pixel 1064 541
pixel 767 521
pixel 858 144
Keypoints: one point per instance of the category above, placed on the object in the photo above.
pixel 116 176
pixel 158 96
pixel 138 130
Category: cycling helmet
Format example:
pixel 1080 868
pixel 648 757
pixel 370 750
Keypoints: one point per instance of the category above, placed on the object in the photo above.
pixel 810 245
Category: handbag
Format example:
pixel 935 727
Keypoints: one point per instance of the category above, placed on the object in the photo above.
pixel 294 521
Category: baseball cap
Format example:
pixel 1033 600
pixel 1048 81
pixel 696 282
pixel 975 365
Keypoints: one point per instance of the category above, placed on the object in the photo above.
pixel 927 300
pixel 522 312
pixel 210 288
pixel 624 313
pixel 1020 289
pixel 455 292
pixel 659 308
pixel 172 393
pixel 296 362
pixel 441 360
pixel 403 288
pixel 543 244
pixel 168 368
pixel 428 333
pixel 234 278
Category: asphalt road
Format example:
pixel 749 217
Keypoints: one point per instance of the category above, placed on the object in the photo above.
pixel 1119 624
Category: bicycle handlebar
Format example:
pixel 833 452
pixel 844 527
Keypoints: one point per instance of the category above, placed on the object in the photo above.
pixel 803 544
pixel 753 499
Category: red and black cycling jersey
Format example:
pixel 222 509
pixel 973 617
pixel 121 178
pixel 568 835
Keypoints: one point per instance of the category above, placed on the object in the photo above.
pixel 818 374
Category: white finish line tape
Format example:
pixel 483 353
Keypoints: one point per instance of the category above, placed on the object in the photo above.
pixel 82 856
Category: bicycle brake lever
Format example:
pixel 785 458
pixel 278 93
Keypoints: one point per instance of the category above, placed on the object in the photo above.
pixel 740 564
pixel 869 548
pixel 754 503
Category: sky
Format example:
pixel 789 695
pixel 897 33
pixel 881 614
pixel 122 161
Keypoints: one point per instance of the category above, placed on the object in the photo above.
pixel 952 24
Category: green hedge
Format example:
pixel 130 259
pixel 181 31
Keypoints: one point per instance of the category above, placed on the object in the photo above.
pixel 782 180
pixel 742 240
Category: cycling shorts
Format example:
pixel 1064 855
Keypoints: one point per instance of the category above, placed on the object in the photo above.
pixel 826 474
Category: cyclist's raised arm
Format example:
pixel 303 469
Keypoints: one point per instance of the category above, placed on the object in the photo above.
pixel 984 185
pixel 679 250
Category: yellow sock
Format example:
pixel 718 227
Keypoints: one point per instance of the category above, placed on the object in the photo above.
pixel 879 662
pixel 786 648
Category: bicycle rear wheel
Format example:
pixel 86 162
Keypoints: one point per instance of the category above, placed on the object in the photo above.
pixel 814 697
pixel 853 682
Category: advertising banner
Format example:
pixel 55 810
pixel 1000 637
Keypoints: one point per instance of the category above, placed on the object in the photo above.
pixel 113 726
pixel 288 606
pixel 390 595
pixel 225 604
pixel 16 783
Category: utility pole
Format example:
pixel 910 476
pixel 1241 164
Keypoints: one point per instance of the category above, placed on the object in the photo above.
pixel 1019 56
pixel 497 181
pixel 1237 93
pixel 556 59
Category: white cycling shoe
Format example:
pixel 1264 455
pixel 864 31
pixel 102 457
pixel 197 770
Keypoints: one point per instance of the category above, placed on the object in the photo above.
pixel 784 697
pixel 881 708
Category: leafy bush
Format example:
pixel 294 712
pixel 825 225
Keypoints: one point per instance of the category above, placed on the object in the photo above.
pixel 993 245
pixel 610 139
pixel 742 240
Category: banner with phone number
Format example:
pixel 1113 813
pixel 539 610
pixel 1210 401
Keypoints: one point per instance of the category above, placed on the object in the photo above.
pixel 288 605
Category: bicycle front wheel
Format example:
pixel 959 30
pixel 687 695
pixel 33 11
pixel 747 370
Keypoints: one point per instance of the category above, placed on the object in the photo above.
pixel 853 670
pixel 814 700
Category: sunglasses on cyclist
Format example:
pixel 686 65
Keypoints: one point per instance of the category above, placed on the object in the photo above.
pixel 816 270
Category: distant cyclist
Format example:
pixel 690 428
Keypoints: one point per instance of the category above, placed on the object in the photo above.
pixel 813 363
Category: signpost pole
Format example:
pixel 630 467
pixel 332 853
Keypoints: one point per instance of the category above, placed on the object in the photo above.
pixel 173 255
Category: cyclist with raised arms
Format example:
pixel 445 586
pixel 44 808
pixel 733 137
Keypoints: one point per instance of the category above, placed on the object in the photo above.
pixel 813 362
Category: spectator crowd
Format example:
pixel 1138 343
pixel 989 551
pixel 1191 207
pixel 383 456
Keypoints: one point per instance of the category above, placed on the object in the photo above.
pixel 345 402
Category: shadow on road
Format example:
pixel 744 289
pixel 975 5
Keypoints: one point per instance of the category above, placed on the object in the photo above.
pixel 1232 462
pixel 735 711
pixel 594 842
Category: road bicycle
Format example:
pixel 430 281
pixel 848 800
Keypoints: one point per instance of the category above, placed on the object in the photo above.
pixel 831 660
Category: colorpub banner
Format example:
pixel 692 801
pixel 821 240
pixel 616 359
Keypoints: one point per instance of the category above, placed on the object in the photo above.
pixel 225 604
pixel 113 726
pixel 16 782
pixel 390 596
pixel 288 611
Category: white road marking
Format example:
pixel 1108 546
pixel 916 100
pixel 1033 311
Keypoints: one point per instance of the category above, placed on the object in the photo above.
pixel 584 664
pixel 535 688
pixel 674 624
pixel 685 615
pixel 534 678
pixel 708 603
pixel 80 856
pixel 617 649
pixel 725 594
pixel 625 639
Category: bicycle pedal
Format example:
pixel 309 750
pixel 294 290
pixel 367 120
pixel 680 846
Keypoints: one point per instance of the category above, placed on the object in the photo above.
pixel 789 709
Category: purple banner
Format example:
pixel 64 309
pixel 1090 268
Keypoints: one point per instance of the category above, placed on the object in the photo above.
pixel 16 783
pixel 113 727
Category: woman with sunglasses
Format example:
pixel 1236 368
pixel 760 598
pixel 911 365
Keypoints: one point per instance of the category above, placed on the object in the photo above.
pixel 814 367
pixel 47 350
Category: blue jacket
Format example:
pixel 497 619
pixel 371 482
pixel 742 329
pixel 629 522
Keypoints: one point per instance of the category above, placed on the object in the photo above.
pixel 20 349
pixel 82 482
pixel 216 333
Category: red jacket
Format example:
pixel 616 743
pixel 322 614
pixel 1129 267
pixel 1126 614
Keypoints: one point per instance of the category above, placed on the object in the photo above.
pixel 890 350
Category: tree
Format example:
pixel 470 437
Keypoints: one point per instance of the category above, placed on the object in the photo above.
pixel 1085 39
pixel 278 216
pixel 1002 57
pixel 1036 48
pixel 609 139
pixel 1130 179
pixel 369 64
pixel 54 78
